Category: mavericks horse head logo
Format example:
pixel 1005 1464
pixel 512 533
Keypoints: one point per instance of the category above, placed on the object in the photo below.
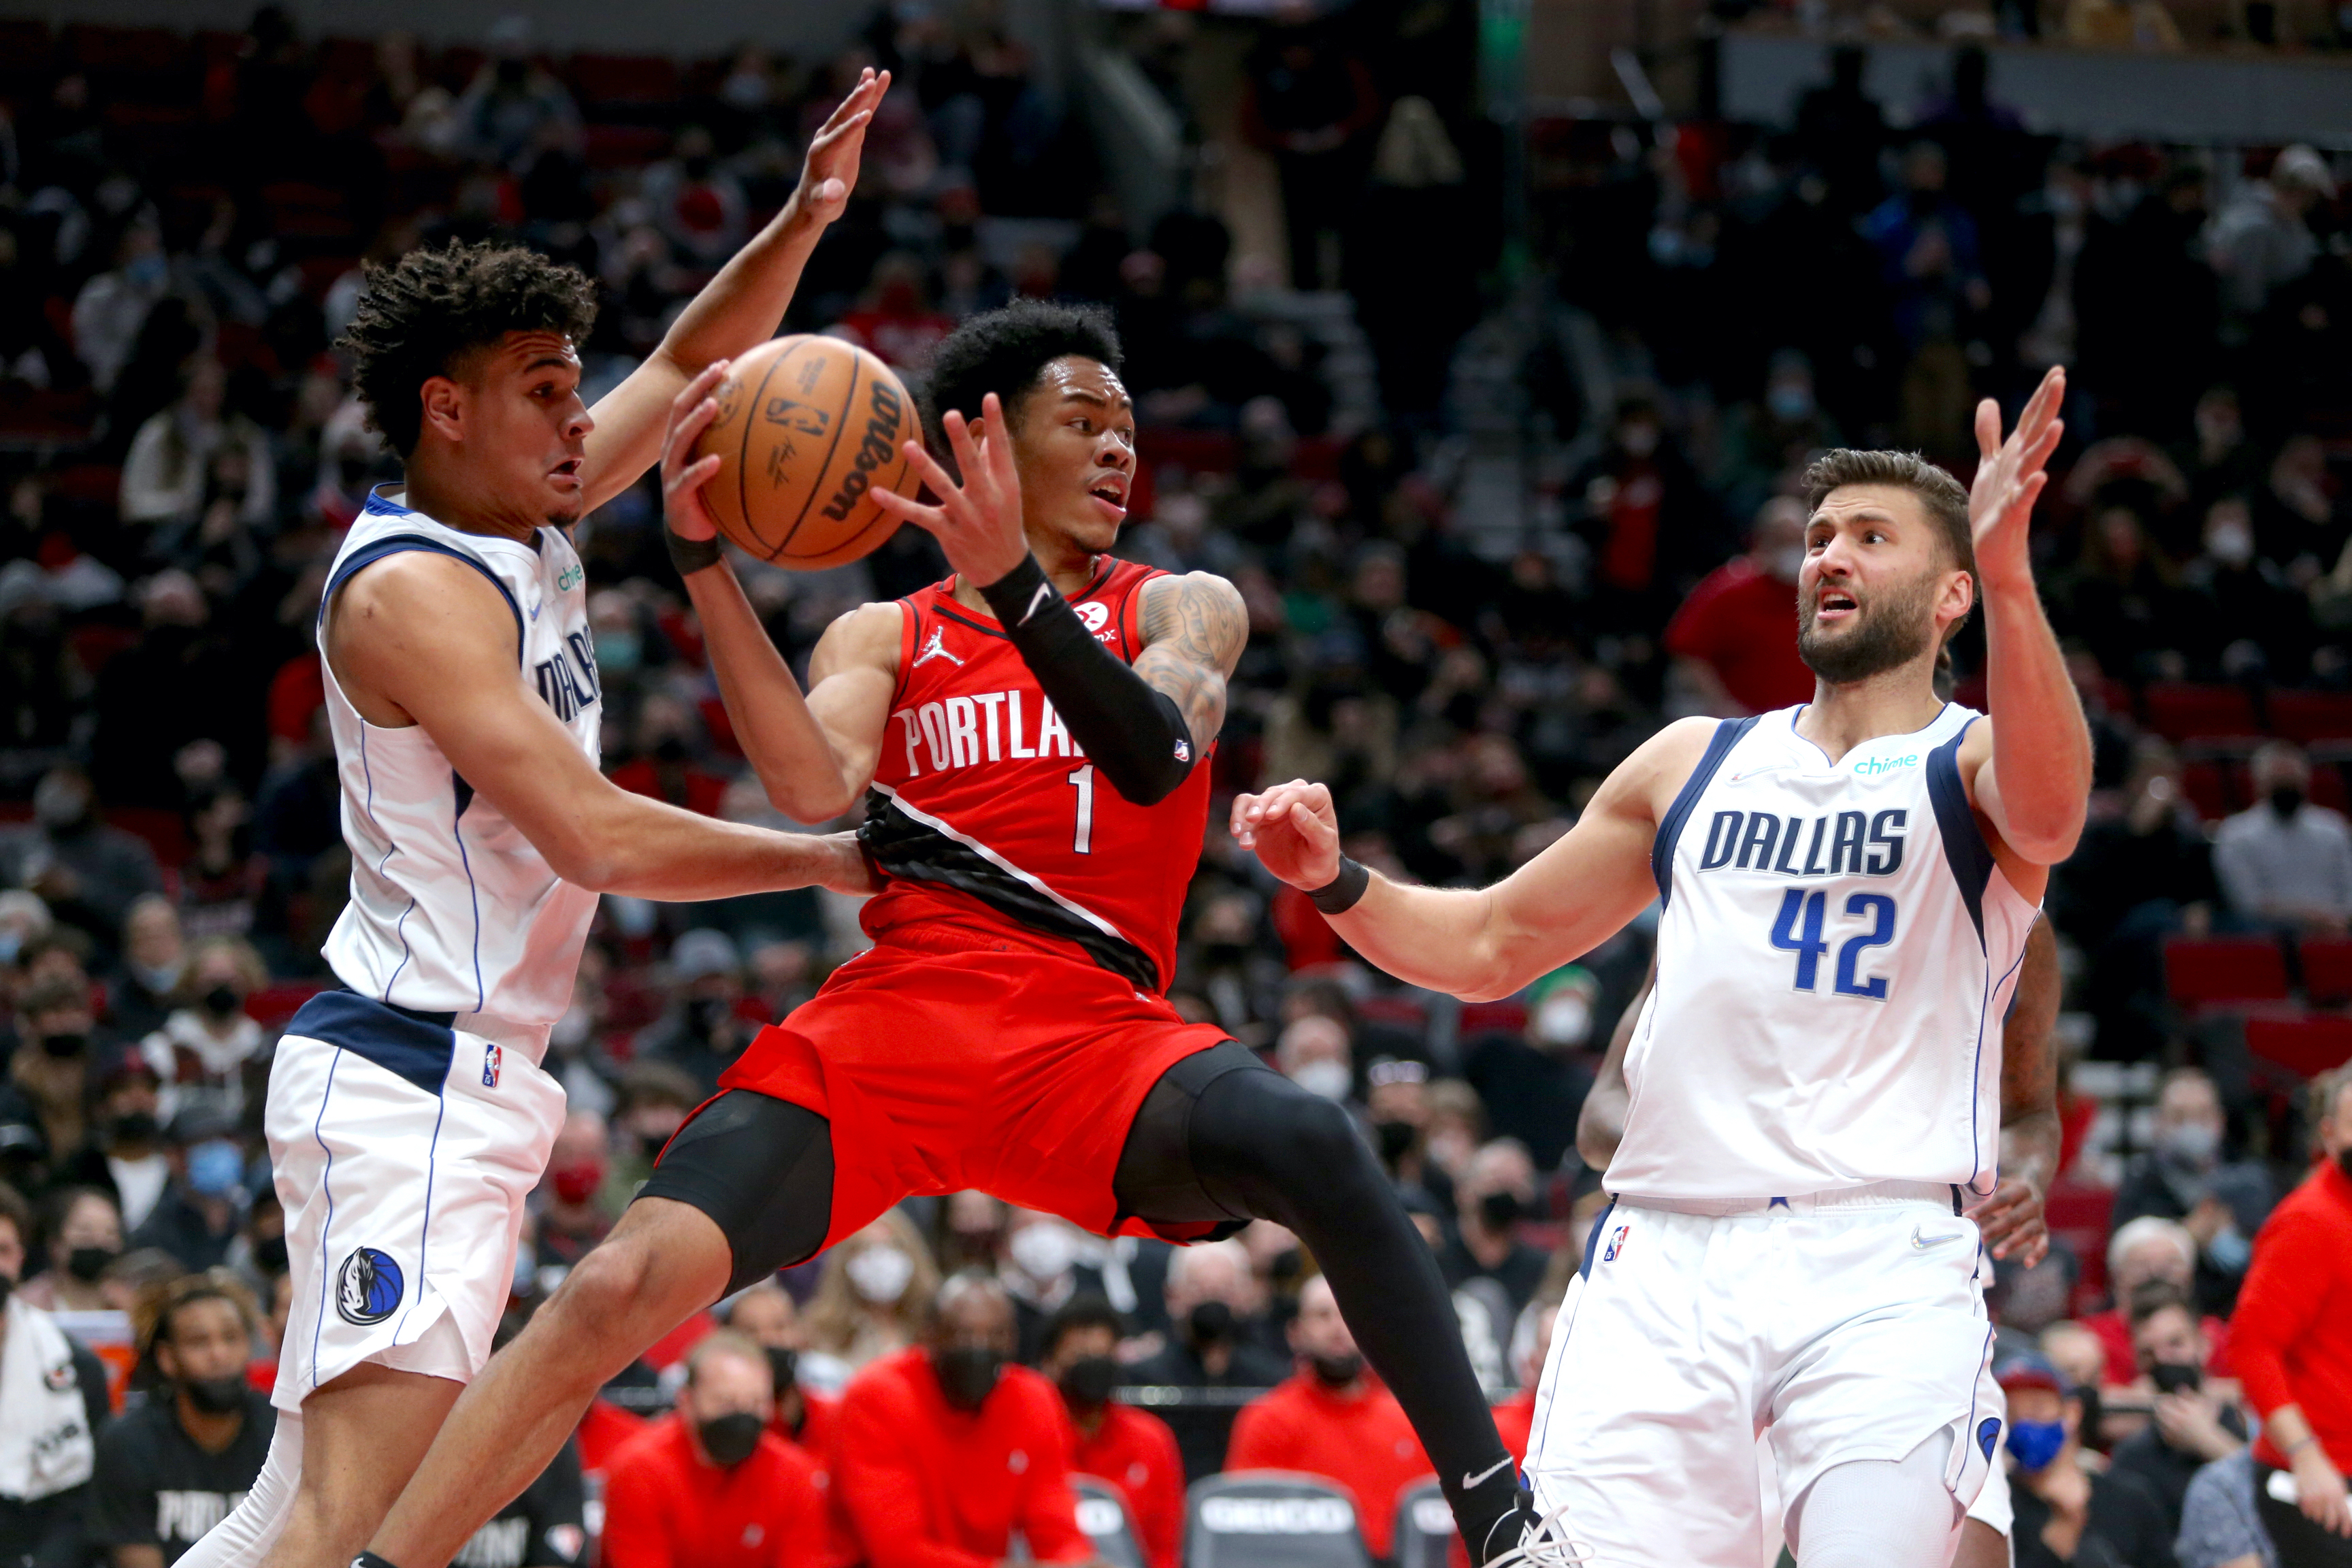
pixel 367 1286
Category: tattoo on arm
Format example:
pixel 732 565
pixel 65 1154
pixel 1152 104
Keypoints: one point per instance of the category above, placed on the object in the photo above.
pixel 1194 627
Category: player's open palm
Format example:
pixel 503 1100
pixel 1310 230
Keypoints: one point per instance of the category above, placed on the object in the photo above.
pixel 978 522
pixel 829 171
pixel 1294 831
pixel 2011 474
pixel 683 474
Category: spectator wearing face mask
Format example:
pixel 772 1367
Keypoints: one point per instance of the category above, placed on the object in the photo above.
pixel 1213 1302
pixel 83 1234
pixel 708 1485
pixel 1042 1270
pixel 53 1406
pixel 124 1154
pixel 1130 1448
pixel 947 1448
pixel 2286 863
pixel 50 1068
pixel 871 1296
pixel 656 1099
pixel 1735 638
pixel 147 988
pixel 1329 1418
pixel 89 873
pixel 703 1031
pixel 211 1056
pixel 2066 1513
pixel 569 1219
pixel 203 1204
pixel 766 1315
pixel 1493 1195
pixel 1313 1052
pixel 2194 1424
pixel 2151 1248
pixel 2294 1338
pixel 2244 603
pixel 177 1464
pixel 2183 1178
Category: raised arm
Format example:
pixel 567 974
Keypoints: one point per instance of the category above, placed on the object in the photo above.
pixel 1488 943
pixel 425 640
pixel 2031 775
pixel 2012 1219
pixel 735 310
pixel 814 755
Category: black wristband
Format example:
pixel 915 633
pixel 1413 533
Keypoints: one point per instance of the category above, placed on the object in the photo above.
pixel 691 556
pixel 1338 896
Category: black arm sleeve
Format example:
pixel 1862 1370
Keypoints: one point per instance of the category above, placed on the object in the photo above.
pixel 1136 735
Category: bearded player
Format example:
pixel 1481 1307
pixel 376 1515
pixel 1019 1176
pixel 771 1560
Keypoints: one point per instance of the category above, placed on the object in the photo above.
pixel 1029 738
pixel 1815 1082
pixel 407 1116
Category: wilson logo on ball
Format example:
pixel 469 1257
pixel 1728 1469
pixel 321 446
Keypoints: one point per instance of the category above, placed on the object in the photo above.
pixel 878 448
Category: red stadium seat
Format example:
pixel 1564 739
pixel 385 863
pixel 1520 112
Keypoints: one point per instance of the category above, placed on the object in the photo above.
pixel 617 146
pixel 2308 716
pixel 273 1005
pixel 145 51
pixel 1493 1019
pixel 2224 969
pixel 2208 786
pixel 2077 1214
pixel 2327 969
pixel 164 832
pixel 604 80
pixel 2305 1044
pixel 2178 711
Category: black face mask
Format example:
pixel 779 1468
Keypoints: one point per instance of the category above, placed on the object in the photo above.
pixel 669 749
pixel 1211 1323
pixel 704 1018
pixel 783 1365
pixel 1500 1211
pixel 65 1046
pixel 1396 1140
pixel 2286 801
pixel 2344 1164
pixel 87 1263
pixel 215 1395
pixel 132 1127
pixel 729 1439
pixel 2176 1377
pixel 1086 1382
pixel 270 1255
pixel 222 1000
pixel 1337 1371
pixel 967 1374
pixel 7 1288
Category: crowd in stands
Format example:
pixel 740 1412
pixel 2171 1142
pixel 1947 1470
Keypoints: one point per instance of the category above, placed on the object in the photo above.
pixel 182 225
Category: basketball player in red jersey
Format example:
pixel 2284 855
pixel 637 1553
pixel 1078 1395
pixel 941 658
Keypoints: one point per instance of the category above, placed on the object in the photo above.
pixel 1027 738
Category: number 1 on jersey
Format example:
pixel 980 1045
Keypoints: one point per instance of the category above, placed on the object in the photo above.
pixel 1084 780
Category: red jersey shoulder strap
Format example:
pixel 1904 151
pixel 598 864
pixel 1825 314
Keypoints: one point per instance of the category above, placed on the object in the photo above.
pixel 1124 589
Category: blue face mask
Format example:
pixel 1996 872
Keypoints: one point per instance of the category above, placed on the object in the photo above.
pixel 2035 1444
pixel 214 1167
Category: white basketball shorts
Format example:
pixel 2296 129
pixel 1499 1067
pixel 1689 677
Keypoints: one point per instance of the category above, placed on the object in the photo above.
pixel 403 1148
pixel 1839 1327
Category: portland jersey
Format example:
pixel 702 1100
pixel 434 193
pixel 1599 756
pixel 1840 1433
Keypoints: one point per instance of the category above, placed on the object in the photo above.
pixel 984 811
pixel 452 908
pixel 1836 951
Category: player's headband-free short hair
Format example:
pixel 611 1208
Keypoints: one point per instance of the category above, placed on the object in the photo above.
pixel 419 316
pixel 1006 351
pixel 1946 501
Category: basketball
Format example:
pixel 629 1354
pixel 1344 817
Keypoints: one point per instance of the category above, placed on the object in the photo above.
pixel 807 426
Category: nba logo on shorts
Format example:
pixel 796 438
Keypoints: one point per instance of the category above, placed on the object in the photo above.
pixel 367 1286
pixel 1616 1244
pixel 493 1058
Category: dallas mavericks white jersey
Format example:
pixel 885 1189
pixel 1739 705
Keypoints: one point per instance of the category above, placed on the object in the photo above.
pixel 452 909
pixel 1836 951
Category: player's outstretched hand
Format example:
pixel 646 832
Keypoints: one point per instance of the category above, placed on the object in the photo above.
pixel 1294 831
pixel 2011 1221
pixel 2009 477
pixel 977 522
pixel 829 171
pixel 682 474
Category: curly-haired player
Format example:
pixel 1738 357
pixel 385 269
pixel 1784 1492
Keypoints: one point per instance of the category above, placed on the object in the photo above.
pixel 408 1117
pixel 1028 738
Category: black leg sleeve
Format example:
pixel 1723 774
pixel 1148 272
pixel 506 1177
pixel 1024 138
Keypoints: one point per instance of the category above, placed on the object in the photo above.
pixel 1263 1146
pixel 761 1168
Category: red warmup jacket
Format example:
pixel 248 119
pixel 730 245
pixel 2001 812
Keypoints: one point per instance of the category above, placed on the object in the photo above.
pixel 2292 1333
pixel 1362 1441
pixel 1136 1452
pixel 920 1484
pixel 666 1507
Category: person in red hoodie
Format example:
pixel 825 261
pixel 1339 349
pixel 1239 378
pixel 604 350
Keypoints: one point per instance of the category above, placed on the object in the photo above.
pixel 1330 1419
pixel 1130 1448
pixel 943 1450
pixel 708 1485
pixel 765 1315
pixel 2293 1339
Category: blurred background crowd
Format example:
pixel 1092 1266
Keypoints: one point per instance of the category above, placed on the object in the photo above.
pixel 1495 421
